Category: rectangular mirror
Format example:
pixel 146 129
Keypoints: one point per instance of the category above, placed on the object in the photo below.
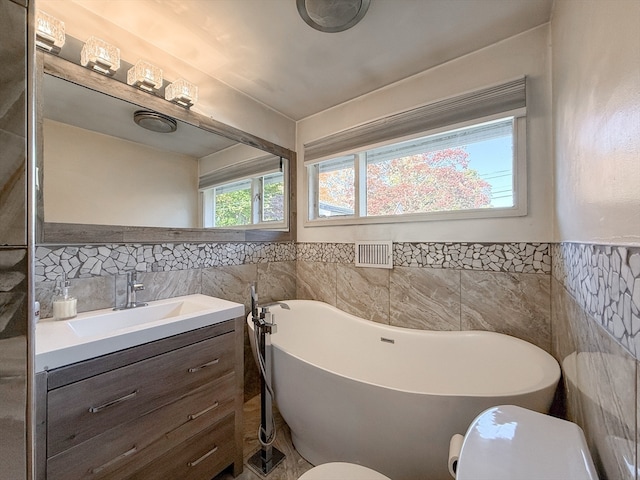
pixel 104 178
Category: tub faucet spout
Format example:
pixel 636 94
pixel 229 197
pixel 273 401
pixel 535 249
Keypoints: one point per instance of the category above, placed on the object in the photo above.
pixel 266 317
pixel 265 308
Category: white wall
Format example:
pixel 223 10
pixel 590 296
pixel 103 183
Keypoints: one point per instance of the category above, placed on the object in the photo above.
pixel 97 179
pixel 596 98
pixel 229 156
pixel 525 54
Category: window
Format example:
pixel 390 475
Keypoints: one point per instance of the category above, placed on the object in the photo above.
pixel 257 200
pixel 470 169
pixel 463 157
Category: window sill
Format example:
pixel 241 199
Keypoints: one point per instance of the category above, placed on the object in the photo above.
pixel 419 218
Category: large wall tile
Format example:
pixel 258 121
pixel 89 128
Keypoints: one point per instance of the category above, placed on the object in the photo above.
pixel 93 293
pixel 13 361
pixel 637 464
pixel 13 292
pixel 234 283
pixel 276 281
pixel 316 281
pixel 566 319
pixel 515 304
pixel 606 377
pixel 161 285
pixel 13 218
pixel 424 298
pixel 231 283
pixel 363 292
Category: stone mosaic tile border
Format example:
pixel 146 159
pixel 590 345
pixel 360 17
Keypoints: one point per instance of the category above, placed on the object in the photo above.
pixel 103 260
pixel 326 252
pixel 605 281
pixel 495 257
pixel 520 257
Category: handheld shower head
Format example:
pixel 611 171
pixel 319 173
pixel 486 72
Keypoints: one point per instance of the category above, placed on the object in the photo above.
pixel 254 300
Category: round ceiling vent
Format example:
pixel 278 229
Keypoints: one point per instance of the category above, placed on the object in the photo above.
pixel 156 122
pixel 332 15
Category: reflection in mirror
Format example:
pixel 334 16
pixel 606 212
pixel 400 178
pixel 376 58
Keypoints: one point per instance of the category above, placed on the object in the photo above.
pixel 101 168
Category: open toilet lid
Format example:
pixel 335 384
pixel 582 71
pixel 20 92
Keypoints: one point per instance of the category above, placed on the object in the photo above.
pixel 513 443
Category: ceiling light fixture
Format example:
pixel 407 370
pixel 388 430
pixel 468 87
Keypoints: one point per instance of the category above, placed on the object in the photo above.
pixel 49 32
pixel 100 56
pixel 181 92
pixel 144 75
pixel 154 121
pixel 332 16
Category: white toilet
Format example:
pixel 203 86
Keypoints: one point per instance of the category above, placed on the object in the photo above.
pixel 502 443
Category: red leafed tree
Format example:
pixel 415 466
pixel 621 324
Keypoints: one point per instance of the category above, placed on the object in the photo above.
pixel 337 188
pixel 428 182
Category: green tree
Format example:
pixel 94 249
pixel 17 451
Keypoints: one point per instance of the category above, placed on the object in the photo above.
pixel 233 208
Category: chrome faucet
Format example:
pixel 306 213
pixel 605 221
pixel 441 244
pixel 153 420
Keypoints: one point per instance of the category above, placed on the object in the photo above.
pixel 133 286
pixel 263 319
pixel 265 308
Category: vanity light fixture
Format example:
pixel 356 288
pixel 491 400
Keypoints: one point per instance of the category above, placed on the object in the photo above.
pixel 154 121
pixel 49 32
pixel 100 56
pixel 181 92
pixel 144 75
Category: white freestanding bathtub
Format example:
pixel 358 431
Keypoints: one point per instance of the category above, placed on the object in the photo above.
pixel 390 398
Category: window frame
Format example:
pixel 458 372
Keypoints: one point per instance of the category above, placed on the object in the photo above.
pixel 519 181
pixel 207 202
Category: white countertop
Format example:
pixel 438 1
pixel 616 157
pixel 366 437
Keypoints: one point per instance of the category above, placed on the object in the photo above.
pixel 63 342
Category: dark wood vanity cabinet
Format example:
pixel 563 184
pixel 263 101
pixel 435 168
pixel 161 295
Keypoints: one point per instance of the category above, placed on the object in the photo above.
pixel 169 409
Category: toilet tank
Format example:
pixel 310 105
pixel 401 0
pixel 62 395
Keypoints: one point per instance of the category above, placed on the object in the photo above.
pixel 512 443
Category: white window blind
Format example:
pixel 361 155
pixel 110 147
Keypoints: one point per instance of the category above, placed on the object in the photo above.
pixel 481 103
pixel 252 168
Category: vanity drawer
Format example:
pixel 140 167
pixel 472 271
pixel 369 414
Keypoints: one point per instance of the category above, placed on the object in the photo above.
pixel 86 408
pixel 120 451
pixel 199 458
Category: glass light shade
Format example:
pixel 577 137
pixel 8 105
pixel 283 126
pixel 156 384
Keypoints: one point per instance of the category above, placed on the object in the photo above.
pixel 100 56
pixel 145 76
pixel 49 32
pixel 181 92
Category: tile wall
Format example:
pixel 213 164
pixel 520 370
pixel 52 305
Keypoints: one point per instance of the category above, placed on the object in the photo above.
pixel 438 286
pixel 595 320
pixel 586 314
pixel 15 246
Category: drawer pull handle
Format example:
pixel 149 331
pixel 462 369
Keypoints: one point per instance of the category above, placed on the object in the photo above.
pixel 114 460
pixel 113 402
pixel 208 364
pixel 193 416
pixel 203 457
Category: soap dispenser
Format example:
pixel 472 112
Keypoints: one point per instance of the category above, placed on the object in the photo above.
pixel 64 305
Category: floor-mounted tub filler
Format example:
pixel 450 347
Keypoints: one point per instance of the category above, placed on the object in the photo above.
pixel 391 398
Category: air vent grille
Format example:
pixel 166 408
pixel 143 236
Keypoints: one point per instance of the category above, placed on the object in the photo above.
pixel 374 254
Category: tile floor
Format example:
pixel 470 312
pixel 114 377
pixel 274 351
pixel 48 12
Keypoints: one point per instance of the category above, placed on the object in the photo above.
pixel 293 465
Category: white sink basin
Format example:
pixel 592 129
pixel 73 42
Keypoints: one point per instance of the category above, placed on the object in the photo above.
pixel 96 333
pixel 112 320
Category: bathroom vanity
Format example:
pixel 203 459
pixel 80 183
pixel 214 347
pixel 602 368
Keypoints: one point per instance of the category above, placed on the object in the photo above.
pixel 166 408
